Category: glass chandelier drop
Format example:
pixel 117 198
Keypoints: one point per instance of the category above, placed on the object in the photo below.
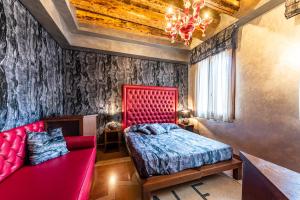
pixel 184 22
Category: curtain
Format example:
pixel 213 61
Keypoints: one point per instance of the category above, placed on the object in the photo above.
pixel 214 86
pixel 292 8
pixel 201 89
pixel 223 40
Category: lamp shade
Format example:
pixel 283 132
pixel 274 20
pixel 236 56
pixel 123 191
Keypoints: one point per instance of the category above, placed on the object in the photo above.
pixel 185 113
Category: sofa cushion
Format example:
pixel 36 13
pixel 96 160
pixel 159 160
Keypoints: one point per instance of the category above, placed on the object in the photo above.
pixel 13 148
pixel 80 142
pixel 63 178
pixel 43 146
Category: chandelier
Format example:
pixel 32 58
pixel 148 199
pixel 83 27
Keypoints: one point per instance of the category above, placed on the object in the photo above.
pixel 184 22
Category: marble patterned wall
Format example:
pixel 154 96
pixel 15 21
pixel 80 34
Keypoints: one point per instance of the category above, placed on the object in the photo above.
pixel 93 82
pixel 40 79
pixel 3 83
pixel 30 68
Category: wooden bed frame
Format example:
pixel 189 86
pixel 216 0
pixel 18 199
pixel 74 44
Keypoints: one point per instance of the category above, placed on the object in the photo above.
pixel 148 104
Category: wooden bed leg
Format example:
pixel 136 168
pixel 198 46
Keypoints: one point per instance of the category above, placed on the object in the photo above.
pixel 146 195
pixel 237 173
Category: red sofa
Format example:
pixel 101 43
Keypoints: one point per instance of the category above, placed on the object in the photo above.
pixel 67 177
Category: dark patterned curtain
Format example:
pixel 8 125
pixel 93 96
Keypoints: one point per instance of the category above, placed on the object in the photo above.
pixel 292 8
pixel 225 39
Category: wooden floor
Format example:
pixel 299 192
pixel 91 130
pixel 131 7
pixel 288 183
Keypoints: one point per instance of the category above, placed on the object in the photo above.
pixel 115 178
pixel 112 153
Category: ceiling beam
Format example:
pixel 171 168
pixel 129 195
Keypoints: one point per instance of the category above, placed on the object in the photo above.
pixel 87 17
pixel 154 5
pixel 122 11
pixel 229 7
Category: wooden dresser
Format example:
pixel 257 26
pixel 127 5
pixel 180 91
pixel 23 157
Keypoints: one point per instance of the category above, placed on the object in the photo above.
pixel 263 180
pixel 74 125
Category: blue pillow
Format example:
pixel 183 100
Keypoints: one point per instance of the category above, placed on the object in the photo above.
pixel 43 146
pixel 156 129
pixel 169 126
pixel 143 128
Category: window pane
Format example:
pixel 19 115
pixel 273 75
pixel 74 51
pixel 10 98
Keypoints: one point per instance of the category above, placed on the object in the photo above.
pixel 213 87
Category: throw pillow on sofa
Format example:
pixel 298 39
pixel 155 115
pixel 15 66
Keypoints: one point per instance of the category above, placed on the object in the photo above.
pixel 43 146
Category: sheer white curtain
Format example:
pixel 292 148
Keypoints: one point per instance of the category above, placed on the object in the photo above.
pixel 201 89
pixel 214 87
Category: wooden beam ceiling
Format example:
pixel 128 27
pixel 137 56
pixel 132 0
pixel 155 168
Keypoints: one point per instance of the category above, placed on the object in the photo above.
pixel 229 7
pixel 223 6
pixel 117 23
pixel 144 17
pixel 122 11
pixel 159 6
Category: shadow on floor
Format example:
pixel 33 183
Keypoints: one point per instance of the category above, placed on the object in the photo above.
pixel 112 152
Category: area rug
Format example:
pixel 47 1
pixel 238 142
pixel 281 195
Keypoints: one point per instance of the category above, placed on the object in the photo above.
pixel 215 187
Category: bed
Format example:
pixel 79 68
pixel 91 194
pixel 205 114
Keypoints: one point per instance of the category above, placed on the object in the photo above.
pixel 175 157
pixel 173 151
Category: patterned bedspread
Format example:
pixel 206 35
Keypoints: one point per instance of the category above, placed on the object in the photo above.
pixel 174 151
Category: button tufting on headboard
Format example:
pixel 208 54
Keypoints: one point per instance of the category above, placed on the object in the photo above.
pixel 149 104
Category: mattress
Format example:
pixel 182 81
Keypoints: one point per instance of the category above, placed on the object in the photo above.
pixel 174 151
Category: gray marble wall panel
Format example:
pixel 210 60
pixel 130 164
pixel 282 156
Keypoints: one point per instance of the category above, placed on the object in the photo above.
pixel 93 82
pixel 31 68
pixel 40 79
pixel 3 83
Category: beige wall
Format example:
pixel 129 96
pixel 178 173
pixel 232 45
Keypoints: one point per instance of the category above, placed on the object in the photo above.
pixel 267 88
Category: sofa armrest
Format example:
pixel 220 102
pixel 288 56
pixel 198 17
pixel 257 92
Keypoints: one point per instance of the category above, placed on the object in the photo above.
pixel 80 142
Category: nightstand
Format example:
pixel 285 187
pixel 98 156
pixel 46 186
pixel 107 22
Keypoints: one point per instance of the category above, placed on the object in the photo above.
pixel 188 127
pixel 112 137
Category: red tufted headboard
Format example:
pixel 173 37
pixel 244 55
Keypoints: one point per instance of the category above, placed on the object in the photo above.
pixel 13 148
pixel 148 104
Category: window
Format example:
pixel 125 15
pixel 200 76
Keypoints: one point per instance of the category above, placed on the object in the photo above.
pixel 214 87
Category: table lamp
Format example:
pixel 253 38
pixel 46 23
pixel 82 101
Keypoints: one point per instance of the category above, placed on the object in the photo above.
pixel 186 114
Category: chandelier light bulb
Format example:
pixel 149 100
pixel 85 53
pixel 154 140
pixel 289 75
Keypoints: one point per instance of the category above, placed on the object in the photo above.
pixel 169 13
pixel 170 10
pixel 206 15
pixel 169 26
